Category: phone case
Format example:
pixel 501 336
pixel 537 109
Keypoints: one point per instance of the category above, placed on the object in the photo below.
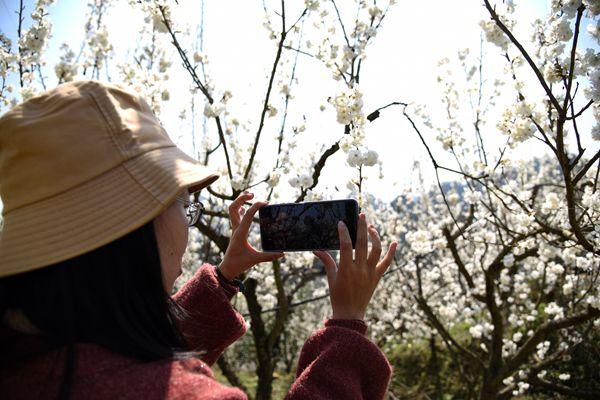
pixel 301 227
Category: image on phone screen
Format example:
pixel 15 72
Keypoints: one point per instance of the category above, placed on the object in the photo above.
pixel 306 226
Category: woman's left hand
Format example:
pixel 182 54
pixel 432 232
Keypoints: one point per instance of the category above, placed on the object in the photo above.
pixel 240 255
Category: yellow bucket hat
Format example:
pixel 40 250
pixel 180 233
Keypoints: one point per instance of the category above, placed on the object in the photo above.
pixel 80 166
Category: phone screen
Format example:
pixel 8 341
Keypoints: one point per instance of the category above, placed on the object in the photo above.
pixel 306 226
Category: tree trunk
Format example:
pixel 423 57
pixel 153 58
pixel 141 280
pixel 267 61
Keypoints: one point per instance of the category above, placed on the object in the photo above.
pixel 489 389
pixel 229 373
pixel 264 388
pixel 264 368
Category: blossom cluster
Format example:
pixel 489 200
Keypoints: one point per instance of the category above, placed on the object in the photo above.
pixel 33 40
pixel 149 75
pixel 66 68
pixel 517 122
pixel 349 107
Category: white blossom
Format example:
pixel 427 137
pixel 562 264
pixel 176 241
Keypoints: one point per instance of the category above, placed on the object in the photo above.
pixel 555 310
pixel 370 158
pixel 27 92
pixel 564 377
pixel 420 241
pixel 198 57
pixel 312 4
pixel 472 197
pixel 374 11
pixel 271 111
pixel 213 110
pixel 552 202
pixel 305 180
pixel 66 68
pixel 273 178
pixel 476 331
pixel 494 34
pixel 354 158
pixel 157 19
pixel 348 106
pixel 508 260
pixel 561 29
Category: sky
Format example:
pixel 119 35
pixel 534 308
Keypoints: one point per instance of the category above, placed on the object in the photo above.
pixel 401 66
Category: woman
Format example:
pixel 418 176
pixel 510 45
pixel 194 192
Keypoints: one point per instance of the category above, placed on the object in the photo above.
pixel 96 214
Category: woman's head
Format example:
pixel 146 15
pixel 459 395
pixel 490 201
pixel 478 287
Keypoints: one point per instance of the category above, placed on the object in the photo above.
pixel 83 167
pixel 93 234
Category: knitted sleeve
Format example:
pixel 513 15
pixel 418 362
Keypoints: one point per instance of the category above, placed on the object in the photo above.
pixel 212 323
pixel 340 362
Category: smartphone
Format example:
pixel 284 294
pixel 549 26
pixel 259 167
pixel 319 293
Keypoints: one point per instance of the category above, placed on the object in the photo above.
pixel 306 226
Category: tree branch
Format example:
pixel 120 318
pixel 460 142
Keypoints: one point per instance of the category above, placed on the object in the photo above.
pixel 540 334
pixel 268 94
pixel 525 55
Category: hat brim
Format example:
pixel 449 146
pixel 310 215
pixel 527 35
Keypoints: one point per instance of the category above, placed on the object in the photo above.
pixel 99 211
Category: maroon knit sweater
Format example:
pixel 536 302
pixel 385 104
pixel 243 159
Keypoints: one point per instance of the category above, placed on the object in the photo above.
pixel 336 362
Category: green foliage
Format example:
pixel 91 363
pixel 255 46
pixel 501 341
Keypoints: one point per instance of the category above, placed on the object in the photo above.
pixel 281 383
pixel 427 370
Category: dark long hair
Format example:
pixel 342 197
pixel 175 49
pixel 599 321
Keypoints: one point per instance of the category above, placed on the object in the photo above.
pixel 113 296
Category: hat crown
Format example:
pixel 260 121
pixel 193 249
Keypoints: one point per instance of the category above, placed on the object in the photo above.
pixel 69 135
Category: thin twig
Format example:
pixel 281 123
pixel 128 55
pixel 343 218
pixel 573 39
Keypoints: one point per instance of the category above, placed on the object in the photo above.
pixel 20 13
pixel 268 94
pixel 188 66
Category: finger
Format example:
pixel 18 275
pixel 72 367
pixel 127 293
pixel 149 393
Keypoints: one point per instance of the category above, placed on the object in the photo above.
pixel 234 209
pixel 240 200
pixel 345 245
pixel 361 241
pixel 235 219
pixel 375 253
pixel 329 263
pixel 387 259
pixel 246 221
pixel 240 214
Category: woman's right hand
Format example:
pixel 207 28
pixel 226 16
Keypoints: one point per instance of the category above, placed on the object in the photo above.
pixel 352 283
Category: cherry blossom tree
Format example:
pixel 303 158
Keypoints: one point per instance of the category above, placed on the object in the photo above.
pixel 499 265
pixel 512 250
pixel 288 280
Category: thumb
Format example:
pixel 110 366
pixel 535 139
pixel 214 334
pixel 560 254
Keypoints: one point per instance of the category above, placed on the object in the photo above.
pixel 265 256
pixel 330 266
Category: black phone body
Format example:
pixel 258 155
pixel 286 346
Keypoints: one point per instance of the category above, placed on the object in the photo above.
pixel 306 226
